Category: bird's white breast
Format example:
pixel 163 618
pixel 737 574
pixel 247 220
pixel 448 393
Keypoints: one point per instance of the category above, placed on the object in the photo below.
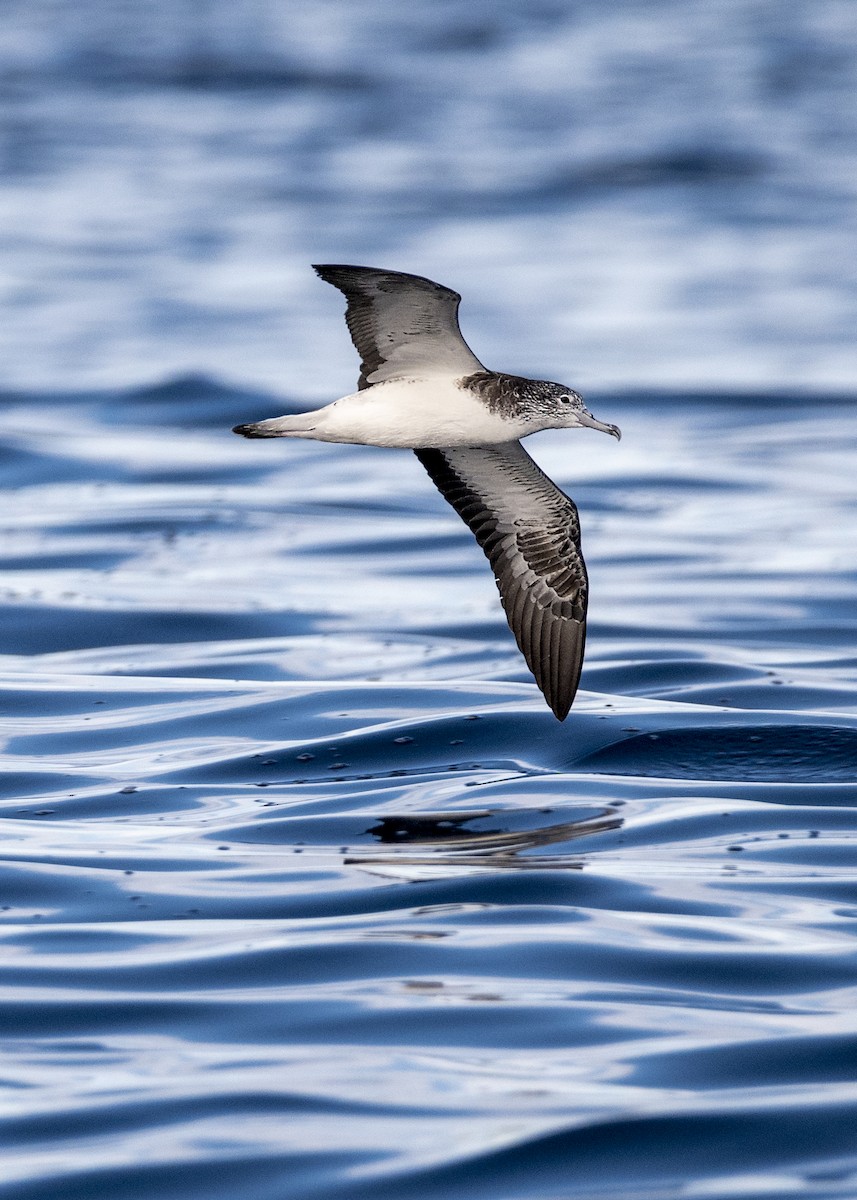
pixel 415 413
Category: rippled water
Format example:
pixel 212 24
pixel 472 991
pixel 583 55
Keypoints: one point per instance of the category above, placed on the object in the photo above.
pixel 304 891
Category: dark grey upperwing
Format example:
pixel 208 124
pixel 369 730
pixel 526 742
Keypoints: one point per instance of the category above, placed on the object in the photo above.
pixel 403 326
pixel 530 533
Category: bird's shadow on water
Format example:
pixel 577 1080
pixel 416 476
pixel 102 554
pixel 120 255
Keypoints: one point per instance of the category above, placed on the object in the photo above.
pixel 446 840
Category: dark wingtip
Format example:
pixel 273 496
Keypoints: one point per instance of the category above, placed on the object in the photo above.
pixel 560 695
pixel 559 699
pixel 349 277
pixel 248 431
pixel 327 271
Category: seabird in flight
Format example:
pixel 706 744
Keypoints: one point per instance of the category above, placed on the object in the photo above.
pixel 422 389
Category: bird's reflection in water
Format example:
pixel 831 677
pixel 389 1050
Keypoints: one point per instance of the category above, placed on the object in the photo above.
pixel 442 839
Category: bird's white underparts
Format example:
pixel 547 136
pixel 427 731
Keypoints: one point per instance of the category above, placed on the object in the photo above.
pixel 421 388
pixel 411 413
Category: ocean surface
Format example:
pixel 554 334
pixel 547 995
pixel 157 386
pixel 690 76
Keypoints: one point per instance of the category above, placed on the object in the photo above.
pixel 304 894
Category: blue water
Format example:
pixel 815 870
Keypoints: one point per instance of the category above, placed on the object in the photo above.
pixel 304 892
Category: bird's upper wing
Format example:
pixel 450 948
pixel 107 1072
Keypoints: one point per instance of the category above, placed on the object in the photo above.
pixel 530 533
pixel 402 325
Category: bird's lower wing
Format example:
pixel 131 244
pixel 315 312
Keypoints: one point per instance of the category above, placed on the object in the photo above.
pixel 530 533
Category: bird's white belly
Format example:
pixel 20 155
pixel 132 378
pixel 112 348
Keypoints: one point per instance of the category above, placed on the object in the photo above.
pixel 412 414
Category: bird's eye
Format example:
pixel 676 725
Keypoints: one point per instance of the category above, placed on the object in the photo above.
pixel 565 399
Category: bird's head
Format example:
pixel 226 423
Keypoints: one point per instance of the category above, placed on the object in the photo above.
pixel 566 410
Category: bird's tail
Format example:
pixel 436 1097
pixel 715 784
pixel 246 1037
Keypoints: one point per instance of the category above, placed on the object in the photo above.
pixel 293 425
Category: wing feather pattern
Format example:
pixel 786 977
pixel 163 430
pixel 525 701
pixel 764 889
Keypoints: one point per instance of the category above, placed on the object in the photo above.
pixel 403 326
pixel 530 533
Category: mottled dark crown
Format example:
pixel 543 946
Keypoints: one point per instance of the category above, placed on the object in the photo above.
pixel 513 396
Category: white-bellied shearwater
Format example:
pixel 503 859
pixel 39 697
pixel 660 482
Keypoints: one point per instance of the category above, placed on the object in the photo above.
pixel 422 389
